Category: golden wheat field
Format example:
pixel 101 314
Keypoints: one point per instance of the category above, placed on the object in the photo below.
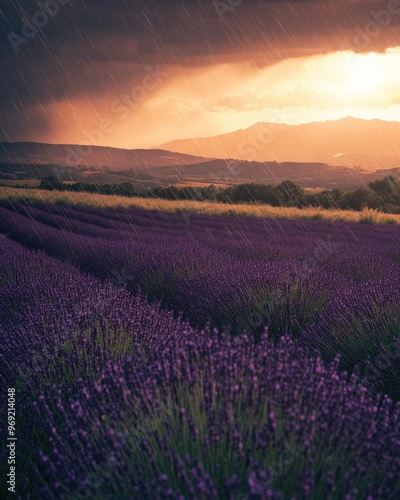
pixel 255 210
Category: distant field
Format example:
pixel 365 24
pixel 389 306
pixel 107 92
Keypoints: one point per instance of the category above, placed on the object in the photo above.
pixel 23 182
pixel 197 184
pixel 255 210
pixel 28 183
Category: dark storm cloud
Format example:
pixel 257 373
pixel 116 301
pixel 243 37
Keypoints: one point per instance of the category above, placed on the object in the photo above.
pixel 87 46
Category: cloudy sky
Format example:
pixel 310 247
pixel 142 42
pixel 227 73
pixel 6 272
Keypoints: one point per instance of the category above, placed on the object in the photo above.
pixel 133 73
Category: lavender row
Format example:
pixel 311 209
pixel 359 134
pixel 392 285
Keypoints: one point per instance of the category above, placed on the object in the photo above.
pixel 335 286
pixel 125 401
pixel 212 420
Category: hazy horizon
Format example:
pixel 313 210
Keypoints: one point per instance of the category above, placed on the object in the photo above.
pixel 160 146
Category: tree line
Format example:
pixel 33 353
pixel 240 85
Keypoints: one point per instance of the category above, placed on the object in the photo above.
pixel 382 195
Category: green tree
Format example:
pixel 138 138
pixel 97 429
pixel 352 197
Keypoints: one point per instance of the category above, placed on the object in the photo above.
pixel 51 183
pixel 291 194
pixel 387 192
pixel 358 199
pixel 386 186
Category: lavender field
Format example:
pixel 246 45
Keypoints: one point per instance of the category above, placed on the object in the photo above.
pixel 178 355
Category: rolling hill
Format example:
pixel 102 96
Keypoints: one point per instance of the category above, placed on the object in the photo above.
pixel 91 156
pixel 150 168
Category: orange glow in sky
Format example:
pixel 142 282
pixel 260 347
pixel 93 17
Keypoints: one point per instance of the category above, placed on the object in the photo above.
pixel 204 101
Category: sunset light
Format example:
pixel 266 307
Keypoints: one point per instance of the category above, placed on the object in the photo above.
pixel 366 72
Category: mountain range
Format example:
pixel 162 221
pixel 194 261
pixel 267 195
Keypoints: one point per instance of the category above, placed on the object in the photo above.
pixel 349 142
pixel 345 153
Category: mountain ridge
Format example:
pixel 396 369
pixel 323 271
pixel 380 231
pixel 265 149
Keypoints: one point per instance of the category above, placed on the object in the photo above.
pixel 91 156
pixel 349 142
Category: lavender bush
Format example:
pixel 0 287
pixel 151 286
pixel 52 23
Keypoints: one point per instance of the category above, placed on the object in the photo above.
pixel 210 420
pixel 124 401
pixel 121 398
pixel 311 279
